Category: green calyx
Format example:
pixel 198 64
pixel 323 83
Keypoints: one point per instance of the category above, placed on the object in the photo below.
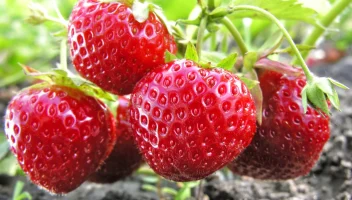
pixel 319 91
pixel 39 15
pixel 62 77
pixel 141 9
pixel 126 2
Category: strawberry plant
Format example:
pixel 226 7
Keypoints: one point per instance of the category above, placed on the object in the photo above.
pixel 207 91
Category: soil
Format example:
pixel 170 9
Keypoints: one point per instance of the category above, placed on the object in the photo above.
pixel 331 178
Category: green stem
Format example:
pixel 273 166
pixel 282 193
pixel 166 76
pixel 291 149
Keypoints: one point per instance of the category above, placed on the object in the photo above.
pixel 58 21
pixel 57 10
pixel 211 5
pixel 311 40
pixel 236 34
pixel 270 16
pixel 63 55
pixel 224 44
pixel 201 3
pixel 201 30
pixel 213 42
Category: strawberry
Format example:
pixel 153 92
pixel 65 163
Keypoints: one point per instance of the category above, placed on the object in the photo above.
pixel 125 157
pixel 113 50
pixel 189 122
pixel 59 135
pixel 289 142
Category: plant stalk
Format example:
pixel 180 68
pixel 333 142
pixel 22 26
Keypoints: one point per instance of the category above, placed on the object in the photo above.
pixel 201 31
pixel 63 55
pixel 211 5
pixel 326 21
pixel 270 16
pixel 236 34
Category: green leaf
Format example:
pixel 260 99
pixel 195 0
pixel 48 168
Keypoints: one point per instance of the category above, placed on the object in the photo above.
pixel 325 85
pixel 4 149
pixel 273 42
pixel 301 48
pixel 18 189
pixel 184 193
pixel 38 14
pixel 219 12
pixel 150 179
pixel 304 99
pixel 192 184
pixel 4 146
pixel 334 99
pixel 249 82
pixel 213 27
pixel 195 22
pixel 145 170
pixel 225 44
pixel 8 165
pixel 96 91
pixel 228 63
pixel 338 84
pixel 24 196
pixel 127 2
pixel 257 94
pixel 61 77
pixel 252 84
pixel 265 63
pixel 212 57
pixel 317 97
pixel 170 191
pixel 159 12
pixel 249 60
pixel 169 56
pixel 191 52
pixel 148 187
pixel 286 10
pixel 320 6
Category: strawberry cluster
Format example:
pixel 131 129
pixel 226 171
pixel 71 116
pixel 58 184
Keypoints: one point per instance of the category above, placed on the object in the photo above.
pixel 186 121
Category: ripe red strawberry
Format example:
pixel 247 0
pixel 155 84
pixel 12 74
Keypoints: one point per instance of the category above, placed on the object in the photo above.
pixel 125 157
pixel 59 135
pixel 190 122
pixel 113 50
pixel 288 143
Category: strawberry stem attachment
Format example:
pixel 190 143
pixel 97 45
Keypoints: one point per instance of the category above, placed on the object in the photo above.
pixel 337 8
pixel 235 34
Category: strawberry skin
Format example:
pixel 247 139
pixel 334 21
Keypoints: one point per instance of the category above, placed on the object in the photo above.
pixel 288 143
pixel 59 135
pixel 189 122
pixel 111 49
pixel 125 157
